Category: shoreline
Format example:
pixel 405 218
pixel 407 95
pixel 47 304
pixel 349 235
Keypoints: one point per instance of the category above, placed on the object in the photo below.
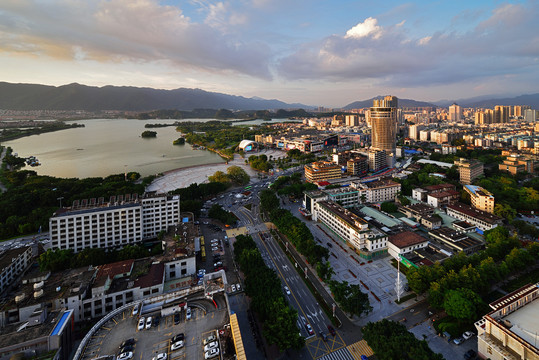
pixel 191 167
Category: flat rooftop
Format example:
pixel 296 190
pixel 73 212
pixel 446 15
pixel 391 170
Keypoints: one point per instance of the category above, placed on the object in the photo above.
pixel 525 321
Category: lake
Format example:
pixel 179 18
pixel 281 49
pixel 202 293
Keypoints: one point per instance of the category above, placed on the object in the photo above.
pixel 109 146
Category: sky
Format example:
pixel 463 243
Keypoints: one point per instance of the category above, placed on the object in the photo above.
pixel 316 52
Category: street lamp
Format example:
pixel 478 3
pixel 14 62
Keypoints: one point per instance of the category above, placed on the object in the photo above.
pixel 60 198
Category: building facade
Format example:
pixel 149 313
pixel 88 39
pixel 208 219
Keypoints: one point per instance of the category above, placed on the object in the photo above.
pixel 480 198
pixel 383 116
pixel 469 170
pixel 377 191
pixel 481 219
pixel 12 264
pixel 322 171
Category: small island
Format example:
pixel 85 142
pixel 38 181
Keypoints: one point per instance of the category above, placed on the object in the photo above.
pixel 179 141
pixel 149 134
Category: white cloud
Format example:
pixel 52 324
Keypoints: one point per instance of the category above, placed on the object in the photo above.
pixel 364 29
pixel 425 40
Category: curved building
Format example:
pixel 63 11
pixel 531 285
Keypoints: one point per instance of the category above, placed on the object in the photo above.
pixel 383 115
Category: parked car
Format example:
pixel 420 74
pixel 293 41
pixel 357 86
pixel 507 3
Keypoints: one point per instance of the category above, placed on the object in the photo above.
pixel 127 342
pixel 155 321
pixel 188 314
pixel 141 324
pixel 135 310
pixel 211 345
pixel 178 337
pixel 331 330
pixel 470 354
pixel 467 335
pixel 323 336
pixel 148 322
pixel 238 287
pixel 330 244
pixel 127 348
pixel 233 287
pixel 209 339
pixel 176 318
pixel 177 345
pixel 125 356
pixel 458 340
pixel 211 354
pixel 162 356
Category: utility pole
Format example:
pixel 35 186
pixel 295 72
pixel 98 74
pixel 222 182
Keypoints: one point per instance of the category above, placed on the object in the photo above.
pixel 60 198
pixel 398 285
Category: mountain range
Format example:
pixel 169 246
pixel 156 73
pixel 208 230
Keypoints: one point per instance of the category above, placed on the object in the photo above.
pixel 90 98
pixel 125 98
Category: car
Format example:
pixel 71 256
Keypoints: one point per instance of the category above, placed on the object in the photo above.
pixel 211 345
pixel 331 330
pixel 217 264
pixel 209 339
pixel 470 354
pixel 178 337
pixel 177 345
pixel 205 223
pixel 127 348
pixel 125 356
pixel 211 354
pixel 188 314
pixel 309 329
pixel 323 336
pixel 141 324
pixel 176 318
pixel 238 287
pixel 127 343
pixel 458 340
pixel 233 287
pixel 135 310
pixel 467 335
pixel 155 321
pixel 148 322
pixel 330 244
pixel 162 356
pixel 214 241
pixel 287 290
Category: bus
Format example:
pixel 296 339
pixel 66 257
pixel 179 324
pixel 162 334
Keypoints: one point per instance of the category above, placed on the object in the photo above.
pixel 202 241
pixel 203 253
pixel 248 187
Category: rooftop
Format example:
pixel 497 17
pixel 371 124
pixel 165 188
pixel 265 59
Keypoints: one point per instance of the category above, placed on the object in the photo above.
pixel 6 257
pixel 349 217
pixel 478 191
pixel 475 213
pixel 406 238
pixel 380 183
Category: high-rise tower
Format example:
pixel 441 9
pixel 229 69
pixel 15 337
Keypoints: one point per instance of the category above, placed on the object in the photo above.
pixel 383 115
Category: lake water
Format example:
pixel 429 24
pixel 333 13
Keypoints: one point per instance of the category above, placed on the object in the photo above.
pixel 109 146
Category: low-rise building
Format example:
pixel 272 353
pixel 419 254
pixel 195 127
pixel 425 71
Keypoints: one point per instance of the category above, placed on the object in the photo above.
pixel 422 193
pixel 516 163
pixel 345 196
pixel 322 171
pixel 481 219
pixel 480 198
pixel 456 240
pixel 404 242
pixel 431 222
pixel 442 198
pixel 13 263
pixel 510 330
pixel 377 191
pixel 355 231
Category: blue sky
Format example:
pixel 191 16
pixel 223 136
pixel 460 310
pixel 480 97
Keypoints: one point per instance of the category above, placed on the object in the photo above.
pixel 316 52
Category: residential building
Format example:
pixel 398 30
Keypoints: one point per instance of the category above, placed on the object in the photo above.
pixel 531 115
pixel 456 240
pixel 13 263
pixel 438 199
pixel 455 113
pixel 357 166
pixel 516 163
pixel 352 120
pixel 510 330
pixel 383 116
pixel 377 191
pixel 421 194
pixel 345 196
pixel 405 242
pixel 310 198
pixel 366 240
pixel 377 159
pixel 119 222
pixel 481 219
pixel 501 114
pixel 469 170
pixel 480 198
pixel 413 131
pixel 322 171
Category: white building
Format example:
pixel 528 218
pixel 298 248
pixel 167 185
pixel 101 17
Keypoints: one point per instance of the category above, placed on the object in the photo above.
pixel 13 263
pixel 377 191
pixel 482 219
pixel 405 242
pixel 368 241
pixel 116 223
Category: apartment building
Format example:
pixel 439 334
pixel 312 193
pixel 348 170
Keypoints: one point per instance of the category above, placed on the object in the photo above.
pixel 516 163
pixel 438 199
pixel 481 219
pixel 322 171
pixel 367 240
pixel 357 166
pixel 377 191
pixel 13 263
pixel 469 170
pixel 121 221
pixel 510 330
pixel 480 198
pixel 405 242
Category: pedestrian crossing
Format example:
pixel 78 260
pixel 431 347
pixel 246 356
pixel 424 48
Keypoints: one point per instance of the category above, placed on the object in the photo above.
pixel 351 352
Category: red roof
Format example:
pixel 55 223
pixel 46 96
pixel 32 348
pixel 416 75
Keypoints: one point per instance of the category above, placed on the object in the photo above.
pixel 152 278
pixel 323 183
pixel 406 238
pixel 114 269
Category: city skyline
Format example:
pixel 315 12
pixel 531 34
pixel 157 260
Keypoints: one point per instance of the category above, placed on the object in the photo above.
pixel 314 53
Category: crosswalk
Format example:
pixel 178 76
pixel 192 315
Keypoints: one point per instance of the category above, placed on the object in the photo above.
pixel 351 352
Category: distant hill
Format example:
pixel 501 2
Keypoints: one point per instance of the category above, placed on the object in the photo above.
pixel 531 100
pixel 402 103
pixel 81 97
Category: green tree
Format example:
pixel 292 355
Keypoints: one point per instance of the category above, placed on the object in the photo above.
pixel 324 270
pixel 237 175
pixel 219 176
pixel 462 304
pixel 350 298
pixel 280 329
pixel 505 211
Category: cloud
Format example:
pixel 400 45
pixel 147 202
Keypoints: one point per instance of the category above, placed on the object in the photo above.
pixel 368 27
pixel 506 43
pixel 128 30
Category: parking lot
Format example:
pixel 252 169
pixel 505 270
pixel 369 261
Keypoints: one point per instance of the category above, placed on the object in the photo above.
pixel 149 343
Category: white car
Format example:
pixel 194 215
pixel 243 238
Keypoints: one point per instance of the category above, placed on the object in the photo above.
pixel 233 287
pixel 238 287
pixel 125 356
pixel 162 356
pixel 211 345
pixel 211 354
pixel 148 322
pixel 177 345
pixel 141 324
pixel 188 314
pixel 287 290
pixel 467 335
pixel 209 339
pixel 214 241
pixel 135 310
